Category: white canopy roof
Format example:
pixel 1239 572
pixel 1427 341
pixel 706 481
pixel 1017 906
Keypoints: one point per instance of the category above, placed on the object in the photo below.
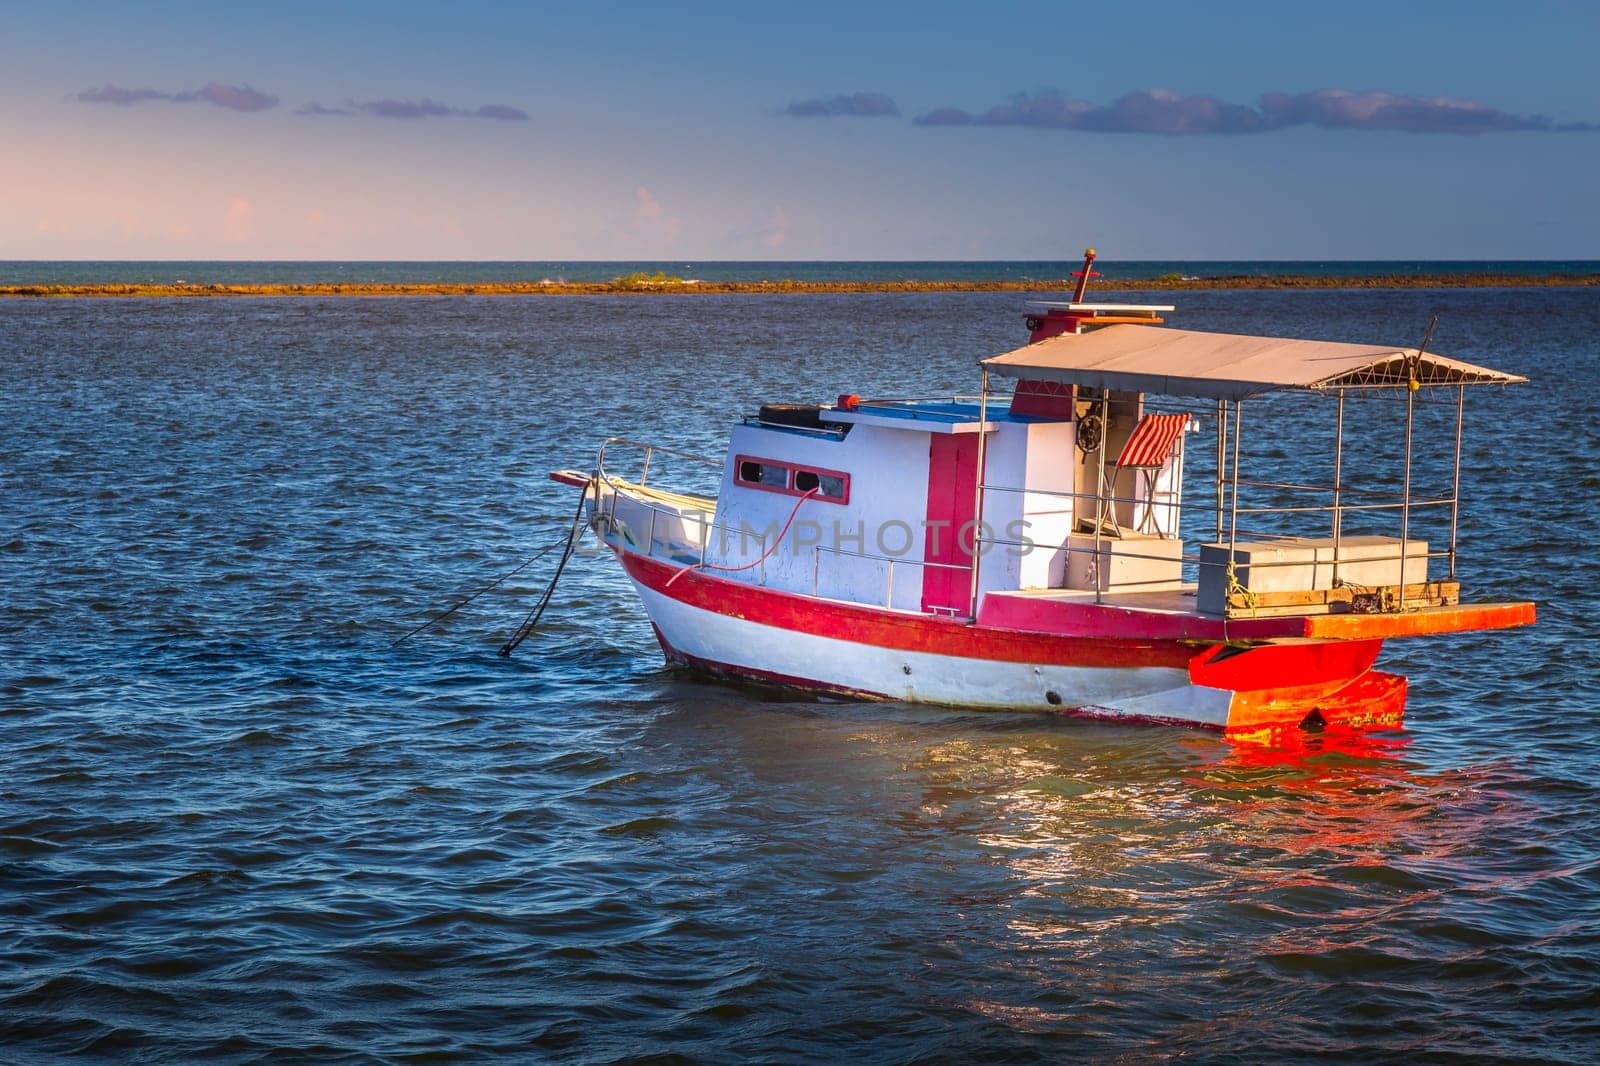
pixel 1226 366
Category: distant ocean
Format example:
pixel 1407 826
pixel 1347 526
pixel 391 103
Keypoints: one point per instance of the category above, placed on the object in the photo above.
pixel 244 272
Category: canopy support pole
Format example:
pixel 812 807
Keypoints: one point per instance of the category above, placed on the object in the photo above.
pixel 1222 458
pixel 1338 485
pixel 1233 520
pixel 1455 490
pixel 1405 495
pixel 1100 508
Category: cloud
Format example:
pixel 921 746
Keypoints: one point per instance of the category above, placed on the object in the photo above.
pixel 115 94
pixel 501 112
pixel 431 224
pixel 245 98
pixel 945 116
pixel 651 219
pixel 414 109
pixel 775 228
pixel 239 224
pixel 1163 111
pixel 424 108
pixel 231 97
pixel 1146 111
pixel 1338 109
pixel 859 105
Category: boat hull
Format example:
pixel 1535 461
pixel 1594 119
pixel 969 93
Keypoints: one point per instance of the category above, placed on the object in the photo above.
pixel 734 629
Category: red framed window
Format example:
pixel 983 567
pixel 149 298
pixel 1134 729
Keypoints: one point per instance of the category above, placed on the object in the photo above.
pixel 791 479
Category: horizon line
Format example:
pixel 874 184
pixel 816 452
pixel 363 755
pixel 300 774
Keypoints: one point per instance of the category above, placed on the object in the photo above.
pixel 693 261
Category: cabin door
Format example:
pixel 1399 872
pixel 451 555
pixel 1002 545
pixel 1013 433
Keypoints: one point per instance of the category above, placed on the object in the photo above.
pixel 952 499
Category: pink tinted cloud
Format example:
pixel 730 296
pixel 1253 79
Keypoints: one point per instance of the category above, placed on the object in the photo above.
pixel 116 94
pixel 239 224
pixel 415 109
pixel 245 98
pixel 652 220
pixel 230 97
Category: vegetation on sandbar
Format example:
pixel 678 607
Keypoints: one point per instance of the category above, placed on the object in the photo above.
pixel 642 282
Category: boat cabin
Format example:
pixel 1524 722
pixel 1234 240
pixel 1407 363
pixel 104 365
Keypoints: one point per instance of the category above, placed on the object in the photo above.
pixel 897 520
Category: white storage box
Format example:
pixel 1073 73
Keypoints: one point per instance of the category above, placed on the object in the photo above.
pixel 1126 564
pixel 1303 564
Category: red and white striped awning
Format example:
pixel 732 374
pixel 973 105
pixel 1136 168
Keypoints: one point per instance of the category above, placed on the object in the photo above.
pixel 1227 366
pixel 1152 440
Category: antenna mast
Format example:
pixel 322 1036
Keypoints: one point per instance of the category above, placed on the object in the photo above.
pixel 1084 275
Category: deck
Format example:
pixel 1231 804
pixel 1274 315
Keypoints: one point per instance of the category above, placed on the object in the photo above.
pixel 1173 615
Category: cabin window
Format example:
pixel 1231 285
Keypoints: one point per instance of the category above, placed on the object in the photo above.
pixel 767 475
pixel 792 479
pixel 829 486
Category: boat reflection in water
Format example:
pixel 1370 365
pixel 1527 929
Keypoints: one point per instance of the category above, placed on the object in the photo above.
pixel 1101 838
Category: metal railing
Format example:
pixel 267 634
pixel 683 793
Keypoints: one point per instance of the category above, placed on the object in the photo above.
pixel 649 453
pixel 888 595
pixel 697 517
pixel 956 397
pixel 1337 511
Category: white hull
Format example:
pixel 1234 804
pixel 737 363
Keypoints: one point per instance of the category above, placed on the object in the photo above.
pixel 739 646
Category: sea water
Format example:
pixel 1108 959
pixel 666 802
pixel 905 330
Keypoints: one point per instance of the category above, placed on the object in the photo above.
pixel 239 824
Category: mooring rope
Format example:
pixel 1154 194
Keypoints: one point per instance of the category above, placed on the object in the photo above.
pixel 531 622
pixel 1235 588
pixel 540 554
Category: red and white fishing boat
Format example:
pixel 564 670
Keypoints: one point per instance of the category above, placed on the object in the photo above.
pixel 1023 549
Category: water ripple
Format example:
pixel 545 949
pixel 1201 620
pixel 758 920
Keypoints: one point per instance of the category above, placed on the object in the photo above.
pixel 237 825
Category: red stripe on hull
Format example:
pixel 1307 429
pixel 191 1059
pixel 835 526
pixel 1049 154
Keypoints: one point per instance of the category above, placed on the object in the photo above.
pixel 889 629
pixel 1045 614
pixel 1300 671
pixel 1279 690
pixel 1022 613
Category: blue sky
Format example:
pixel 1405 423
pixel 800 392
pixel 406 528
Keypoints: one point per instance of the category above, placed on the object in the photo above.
pixel 918 131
